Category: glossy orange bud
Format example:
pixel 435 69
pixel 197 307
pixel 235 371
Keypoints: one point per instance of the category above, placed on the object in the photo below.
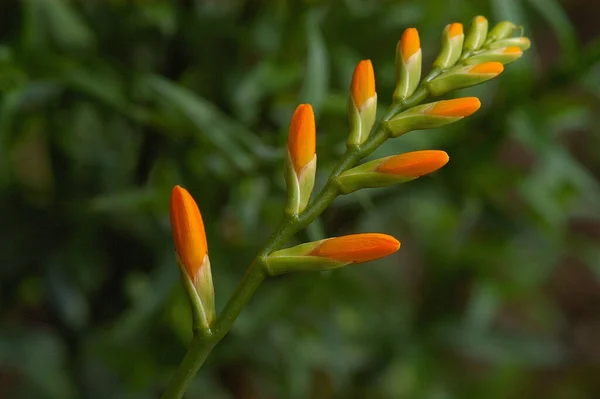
pixel 188 231
pixel 410 43
pixel 356 248
pixel 487 68
pixel 363 83
pixel 302 137
pixel 512 50
pixel 414 164
pixel 456 107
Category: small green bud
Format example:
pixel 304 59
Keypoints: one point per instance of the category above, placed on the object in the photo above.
pixel 452 45
pixel 477 34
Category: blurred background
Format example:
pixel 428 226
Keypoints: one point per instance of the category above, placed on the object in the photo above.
pixel 106 105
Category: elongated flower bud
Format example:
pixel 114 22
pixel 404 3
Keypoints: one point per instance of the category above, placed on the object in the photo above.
pixel 477 34
pixel 521 42
pixel 502 30
pixel 301 162
pixel 501 55
pixel 392 170
pixel 432 115
pixel 192 253
pixel 408 64
pixel 362 105
pixel 452 45
pixel 467 76
pixel 332 253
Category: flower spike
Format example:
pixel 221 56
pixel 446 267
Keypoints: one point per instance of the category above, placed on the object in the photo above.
pixel 332 253
pixel 192 254
pixel 362 105
pixel 301 162
pixel 408 64
pixel 392 170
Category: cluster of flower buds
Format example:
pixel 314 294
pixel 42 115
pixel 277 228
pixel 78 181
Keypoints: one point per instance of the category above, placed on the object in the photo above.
pixel 463 61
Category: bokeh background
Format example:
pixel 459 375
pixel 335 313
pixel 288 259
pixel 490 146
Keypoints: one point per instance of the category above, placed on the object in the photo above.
pixel 106 105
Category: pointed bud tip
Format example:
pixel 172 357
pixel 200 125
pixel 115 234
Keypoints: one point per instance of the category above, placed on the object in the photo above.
pixel 357 248
pixel 491 68
pixel 455 29
pixel 302 136
pixel 409 43
pixel 187 228
pixel 414 164
pixel 512 50
pixel 456 107
pixel 363 83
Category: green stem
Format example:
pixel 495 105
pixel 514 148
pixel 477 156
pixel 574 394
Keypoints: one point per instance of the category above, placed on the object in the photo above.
pixel 201 346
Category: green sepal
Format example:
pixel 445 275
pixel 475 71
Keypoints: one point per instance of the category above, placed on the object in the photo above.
pixel 295 259
pixel 299 187
pixel 450 51
pixel 361 121
pixel 521 42
pixel 497 55
pixel 458 78
pixel 477 34
pixel 408 75
pixel 502 30
pixel 416 119
pixel 201 296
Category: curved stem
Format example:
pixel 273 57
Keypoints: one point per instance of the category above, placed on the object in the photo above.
pixel 201 346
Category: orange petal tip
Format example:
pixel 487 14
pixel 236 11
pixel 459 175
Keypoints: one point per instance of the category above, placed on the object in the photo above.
pixel 302 136
pixel 492 68
pixel 409 43
pixel 188 230
pixel 363 83
pixel 455 29
pixel 512 50
pixel 480 19
pixel 457 107
pixel 414 164
pixel 357 248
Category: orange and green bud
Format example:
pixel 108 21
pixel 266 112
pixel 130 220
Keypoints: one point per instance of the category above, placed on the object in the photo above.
pixel 392 170
pixel 501 55
pixel 432 115
pixel 408 64
pixel 332 253
pixel 502 30
pixel 362 105
pixel 301 161
pixel 459 78
pixel 477 34
pixel 521 42
pixel 452 45
pixel 192 254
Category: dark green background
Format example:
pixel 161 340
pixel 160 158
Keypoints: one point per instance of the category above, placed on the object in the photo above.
pixel 106 105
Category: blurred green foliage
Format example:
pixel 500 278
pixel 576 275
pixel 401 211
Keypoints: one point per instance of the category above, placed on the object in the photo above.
pixel 105 105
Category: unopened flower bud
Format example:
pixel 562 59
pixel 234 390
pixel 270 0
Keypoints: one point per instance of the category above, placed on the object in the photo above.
pixel 408 64
pixel 332 253
pixel 521 42
pixel 362 105
pixel 477 34
pixel 432 115
pixel 192 253
pixel 462 77
pixel 501 55
pixel 392 170
pixel 301 162
pixel 502 30
pixel 452 46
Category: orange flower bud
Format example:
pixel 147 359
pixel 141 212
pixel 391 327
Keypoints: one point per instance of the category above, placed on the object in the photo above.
pixel 414 164
pixel 456 107
pixel 487 68
pixel 363 83
pixel 410 43
pixel 302 137
pixel 455 29
pixel 356 248
pixel 188 231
